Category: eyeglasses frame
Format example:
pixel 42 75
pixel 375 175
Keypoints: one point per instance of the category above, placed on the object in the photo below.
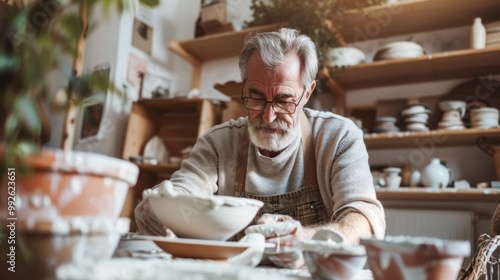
pixel 243 97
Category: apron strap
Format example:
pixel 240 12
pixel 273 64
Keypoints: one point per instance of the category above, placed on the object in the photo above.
pixel 241 168
pixel 307 148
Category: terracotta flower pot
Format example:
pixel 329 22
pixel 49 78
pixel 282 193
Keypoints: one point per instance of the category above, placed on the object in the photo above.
pixel 48 244
pixel 71 184
pixel 402 257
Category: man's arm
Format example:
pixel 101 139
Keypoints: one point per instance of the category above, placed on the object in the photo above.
pixel 353 225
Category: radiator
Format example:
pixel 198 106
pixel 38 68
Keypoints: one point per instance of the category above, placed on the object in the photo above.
pixel 438 223
pixel 444 224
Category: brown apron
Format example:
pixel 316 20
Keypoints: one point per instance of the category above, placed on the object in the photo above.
pixel 305 204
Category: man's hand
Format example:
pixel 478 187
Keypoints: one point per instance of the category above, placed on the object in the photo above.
pixel 148 223
pixel 286 233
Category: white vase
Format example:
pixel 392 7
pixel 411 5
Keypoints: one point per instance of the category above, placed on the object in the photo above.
pixel 435 175
pixel 477 35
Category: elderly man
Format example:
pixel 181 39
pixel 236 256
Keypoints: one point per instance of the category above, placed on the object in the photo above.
pixel 310 168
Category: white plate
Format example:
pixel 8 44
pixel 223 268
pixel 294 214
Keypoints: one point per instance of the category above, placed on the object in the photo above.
pixel 200 249
pixel 155 148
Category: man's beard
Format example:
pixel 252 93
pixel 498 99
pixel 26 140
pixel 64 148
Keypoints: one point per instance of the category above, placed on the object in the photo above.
pixel 276 141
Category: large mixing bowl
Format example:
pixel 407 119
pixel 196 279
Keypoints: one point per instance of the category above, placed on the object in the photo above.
pixel 190 216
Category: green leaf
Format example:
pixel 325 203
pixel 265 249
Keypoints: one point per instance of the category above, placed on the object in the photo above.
pixel 27 111
pixel 7 62
pixel 72 26
pixel 150 3
pixel 11 126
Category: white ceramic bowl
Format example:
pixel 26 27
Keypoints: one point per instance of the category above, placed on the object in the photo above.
pixel 332 258
pixel 448 105
pixel 420 257
pixel 344 56
pixel 190 216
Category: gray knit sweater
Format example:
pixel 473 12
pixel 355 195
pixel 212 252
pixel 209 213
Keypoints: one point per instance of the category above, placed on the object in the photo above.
pixel 343 172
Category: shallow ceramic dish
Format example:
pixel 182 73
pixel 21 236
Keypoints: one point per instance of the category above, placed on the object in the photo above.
pixel 409 45
pixel 404 257
pixel 199 248
pixel 415 109
pixel 197 217
pixel 71 184
pixel 328 256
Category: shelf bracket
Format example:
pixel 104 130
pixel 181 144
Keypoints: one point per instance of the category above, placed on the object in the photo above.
pixel 338 90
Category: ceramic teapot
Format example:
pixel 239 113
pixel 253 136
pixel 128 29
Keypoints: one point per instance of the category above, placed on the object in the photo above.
pixel 435 174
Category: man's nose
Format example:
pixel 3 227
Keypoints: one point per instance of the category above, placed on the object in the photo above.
pixel 269 115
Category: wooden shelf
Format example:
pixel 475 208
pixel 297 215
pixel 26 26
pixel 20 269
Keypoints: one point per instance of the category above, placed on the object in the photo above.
pixel 413 16
pixel 158 168
pixel 470 195
pixel 446 138
pixel 180 104
pixel 439 66
pixel 217 46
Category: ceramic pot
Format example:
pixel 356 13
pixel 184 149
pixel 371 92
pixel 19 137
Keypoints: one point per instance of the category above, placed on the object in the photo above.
pixel 404 257
pixel 435 175
pixel 73 184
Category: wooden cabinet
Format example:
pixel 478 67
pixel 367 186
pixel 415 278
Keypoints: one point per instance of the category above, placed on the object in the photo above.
pixel 178 122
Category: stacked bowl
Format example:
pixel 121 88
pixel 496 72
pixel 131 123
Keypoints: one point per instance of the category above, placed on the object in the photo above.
pixel 416 117
pixel 385 124
pixel 453 112
pixel 485 117
pixel 68 207
pixel 399 50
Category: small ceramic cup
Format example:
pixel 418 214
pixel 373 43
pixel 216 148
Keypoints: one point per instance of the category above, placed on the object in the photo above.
pixel 392 181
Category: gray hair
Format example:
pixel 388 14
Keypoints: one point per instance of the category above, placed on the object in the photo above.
pixel 273 47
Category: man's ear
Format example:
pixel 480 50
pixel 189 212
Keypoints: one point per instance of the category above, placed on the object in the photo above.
pixel 310 90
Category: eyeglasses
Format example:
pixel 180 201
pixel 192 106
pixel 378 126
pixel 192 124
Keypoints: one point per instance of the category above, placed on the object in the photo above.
pixel 280 107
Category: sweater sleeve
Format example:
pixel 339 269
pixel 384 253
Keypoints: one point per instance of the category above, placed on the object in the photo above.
pixel 198 173
pixel 352 183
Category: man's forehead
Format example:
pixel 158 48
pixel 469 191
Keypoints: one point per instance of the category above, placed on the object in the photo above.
pixel 264 86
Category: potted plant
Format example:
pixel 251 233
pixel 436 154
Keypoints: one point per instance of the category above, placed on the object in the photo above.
pixel 47 185
pixel 312 18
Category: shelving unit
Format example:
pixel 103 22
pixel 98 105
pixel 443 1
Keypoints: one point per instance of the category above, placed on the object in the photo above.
pixel 387 20
pixel 405 17
pixel 431 67
pixel 449 195
pixel 177 121
pixel 414 16
pixel 466 137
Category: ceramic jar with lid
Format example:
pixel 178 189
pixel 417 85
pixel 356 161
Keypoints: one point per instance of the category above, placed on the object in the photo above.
pixel 435 174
